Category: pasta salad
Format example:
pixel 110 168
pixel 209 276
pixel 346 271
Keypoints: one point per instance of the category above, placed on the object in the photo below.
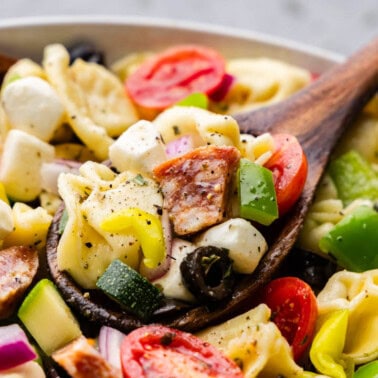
pixel 157 199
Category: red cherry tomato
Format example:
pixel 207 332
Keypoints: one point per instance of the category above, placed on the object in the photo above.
pixel 158 351
pixel 294 311
pixel 174 74
pixel 289 167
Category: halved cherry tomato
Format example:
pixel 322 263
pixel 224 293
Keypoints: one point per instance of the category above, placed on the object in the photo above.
pixel 289 167
pixel 158 351
pixel 174 74
pixel 294 311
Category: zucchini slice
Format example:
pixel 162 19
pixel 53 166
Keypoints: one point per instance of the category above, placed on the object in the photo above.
pixel 130 289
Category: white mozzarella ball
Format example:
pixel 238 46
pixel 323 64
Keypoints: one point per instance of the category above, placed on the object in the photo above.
pixel 139 148
pixel 32 105
pixel 245 243
pixel 22 158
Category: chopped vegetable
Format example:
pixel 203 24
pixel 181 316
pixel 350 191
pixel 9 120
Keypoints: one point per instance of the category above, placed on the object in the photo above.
pixel 224 88
pixel 352 241
pixel 48 318
pixel 369 370
pixel 109 345
pixel 354 177
pixel 131 290
pixel 199 100
pixel 289 166
pixel 15 348
pixel 148 229
pixel 328 344
pixel 256 191
pixel 175 73
pixel 207 273
pixel 87 52
pixel 179 146
pixel 158 351
pixel 294 311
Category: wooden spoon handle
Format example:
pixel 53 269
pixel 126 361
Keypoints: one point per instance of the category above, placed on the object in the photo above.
pixel 321 109
pixel 5 63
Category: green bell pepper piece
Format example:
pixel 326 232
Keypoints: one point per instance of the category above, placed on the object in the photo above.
pixel 328 344
pixel 353 177
pixel 369 370
pixel 198 99
pixel 353 240
pixel 257 196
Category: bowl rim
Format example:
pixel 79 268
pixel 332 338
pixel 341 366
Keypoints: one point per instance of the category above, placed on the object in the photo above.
pixel 162 22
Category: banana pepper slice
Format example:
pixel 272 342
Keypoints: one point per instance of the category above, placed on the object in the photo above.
pixel 326 350
pixel 147 228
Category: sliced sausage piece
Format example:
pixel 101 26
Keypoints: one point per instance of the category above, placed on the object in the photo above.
pixel 81 360
pixel 195 186
pixel 18 266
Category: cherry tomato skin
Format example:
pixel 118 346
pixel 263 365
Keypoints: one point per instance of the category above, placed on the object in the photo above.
pixel 294 311
pixel 174 74
pixel 157 351
pixel 289 166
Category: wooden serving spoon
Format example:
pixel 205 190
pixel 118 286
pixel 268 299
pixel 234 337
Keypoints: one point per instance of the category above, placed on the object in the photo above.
pixel 5 63
pixel 317 115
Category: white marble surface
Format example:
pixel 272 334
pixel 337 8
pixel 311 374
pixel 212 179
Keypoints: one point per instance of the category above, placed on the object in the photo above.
pixel 336 25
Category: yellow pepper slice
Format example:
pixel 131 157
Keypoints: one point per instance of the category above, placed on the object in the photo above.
pixel 147 228
pixel 327 347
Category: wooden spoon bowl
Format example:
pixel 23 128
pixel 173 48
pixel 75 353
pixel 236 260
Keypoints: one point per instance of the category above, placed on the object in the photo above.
pixel 317 115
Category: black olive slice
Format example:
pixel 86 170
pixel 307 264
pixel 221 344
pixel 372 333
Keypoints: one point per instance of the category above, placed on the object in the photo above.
pixel 87 52
pixel 207 273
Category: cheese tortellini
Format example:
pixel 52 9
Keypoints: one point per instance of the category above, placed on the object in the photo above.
pixel 94 100
pixel 255 344
pixel 261 82
pixel 85 250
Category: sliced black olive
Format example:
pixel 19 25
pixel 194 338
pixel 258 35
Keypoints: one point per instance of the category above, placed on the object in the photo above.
pixel 87 52
pixel 207 273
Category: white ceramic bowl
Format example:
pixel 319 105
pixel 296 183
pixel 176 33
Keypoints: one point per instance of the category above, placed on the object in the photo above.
pixel 119 35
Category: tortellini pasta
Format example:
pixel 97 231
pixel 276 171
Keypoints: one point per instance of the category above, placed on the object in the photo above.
pixel 261 82
pixel 255 343
pixel 95 101
pixel 357 293
pixel 85 250
pixel 105 97
pixel 205 127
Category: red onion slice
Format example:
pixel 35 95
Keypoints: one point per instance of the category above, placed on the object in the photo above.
pixel 109 345
pixel 223 88
pixel 179 146
pixel 14 347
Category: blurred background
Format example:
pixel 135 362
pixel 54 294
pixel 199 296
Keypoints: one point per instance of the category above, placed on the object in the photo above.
pixel 340 26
